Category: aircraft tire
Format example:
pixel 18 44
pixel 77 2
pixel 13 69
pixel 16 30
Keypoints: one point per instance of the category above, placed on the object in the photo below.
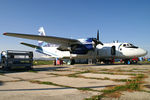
pixel 72 61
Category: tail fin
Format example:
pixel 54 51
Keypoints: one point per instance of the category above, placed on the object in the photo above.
pixel 42 33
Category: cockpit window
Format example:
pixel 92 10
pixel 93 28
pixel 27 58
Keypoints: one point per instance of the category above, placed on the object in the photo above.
pixel 129 45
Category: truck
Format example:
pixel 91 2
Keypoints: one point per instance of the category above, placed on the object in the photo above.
pixel 12 59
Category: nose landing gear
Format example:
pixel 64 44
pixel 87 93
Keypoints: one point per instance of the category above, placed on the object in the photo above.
pixel 131 61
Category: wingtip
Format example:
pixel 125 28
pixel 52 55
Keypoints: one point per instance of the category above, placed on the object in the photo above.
pixel 5 33
pixel 21 42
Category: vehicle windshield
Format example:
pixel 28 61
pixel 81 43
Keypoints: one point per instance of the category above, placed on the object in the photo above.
pixel 129 45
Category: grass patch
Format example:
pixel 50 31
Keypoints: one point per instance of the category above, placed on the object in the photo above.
pixel 140 76
pixel 144 62
pixel 104 69
pixel 85 89
pixel 121 80
pixel 72 75
pixel 1 73
pixel 106 78
pixel 106 73
pixel 51 83
pixel 146 91
pixel 55 74
pixel 60 70
pixel 33 71
pixel 135 69
pixel 131 85
pixel 42 62
pixel 133 74
pixel 76 74
pixel 48 83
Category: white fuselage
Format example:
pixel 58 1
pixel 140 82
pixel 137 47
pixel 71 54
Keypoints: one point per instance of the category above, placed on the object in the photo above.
pixel 122 51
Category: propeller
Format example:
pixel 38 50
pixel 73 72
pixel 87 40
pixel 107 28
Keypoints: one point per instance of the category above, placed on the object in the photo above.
pixel 98 35
pixel 96 40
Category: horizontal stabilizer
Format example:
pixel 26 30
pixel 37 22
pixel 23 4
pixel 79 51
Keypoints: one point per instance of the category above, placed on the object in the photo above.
pixel 30 45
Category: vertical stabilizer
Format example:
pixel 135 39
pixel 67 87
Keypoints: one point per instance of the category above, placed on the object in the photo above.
pixel 42 33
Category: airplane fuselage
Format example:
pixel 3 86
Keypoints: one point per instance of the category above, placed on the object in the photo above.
pixel 106 51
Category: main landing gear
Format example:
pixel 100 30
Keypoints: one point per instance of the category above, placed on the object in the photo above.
pixel 130 61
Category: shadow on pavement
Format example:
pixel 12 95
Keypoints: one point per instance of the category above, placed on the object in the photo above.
pixel 1 83
pixel 34 69
pixel 60 88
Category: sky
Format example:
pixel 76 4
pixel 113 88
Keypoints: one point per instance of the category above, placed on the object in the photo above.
pixel 123 20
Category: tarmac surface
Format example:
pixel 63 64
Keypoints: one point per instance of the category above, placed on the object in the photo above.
pixel 76 82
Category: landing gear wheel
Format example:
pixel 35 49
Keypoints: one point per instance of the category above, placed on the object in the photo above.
pixel 72 61
pixel 127 61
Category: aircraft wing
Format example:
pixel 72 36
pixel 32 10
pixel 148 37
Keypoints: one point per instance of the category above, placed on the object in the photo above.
pixel 30 45
pixel 49 39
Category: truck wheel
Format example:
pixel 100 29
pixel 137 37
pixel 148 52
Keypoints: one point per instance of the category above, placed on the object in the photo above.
pixel 3 67
pixel 7 68
pixel 72 61
pixel 28 67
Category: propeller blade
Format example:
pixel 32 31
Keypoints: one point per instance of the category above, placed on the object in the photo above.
pixel 96 40
pixel 99 42
pixel 98 35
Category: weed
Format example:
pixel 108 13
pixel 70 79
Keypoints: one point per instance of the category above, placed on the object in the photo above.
pixel 106 78
pixel 33 71
pixel 146 91
pixel 51 83
pixel 134 69
pixel 85 89
pixel 132 85
pixel 42 62
pixel 121 80
pixel 72 75
pixel 104 69
pixel 107 73
pixel 133 74
pixel 140 76
pixel 47 83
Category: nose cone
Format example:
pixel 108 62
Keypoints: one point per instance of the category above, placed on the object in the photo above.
pixel 142 52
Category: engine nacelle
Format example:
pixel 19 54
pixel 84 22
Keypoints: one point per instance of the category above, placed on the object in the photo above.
pixel 78 49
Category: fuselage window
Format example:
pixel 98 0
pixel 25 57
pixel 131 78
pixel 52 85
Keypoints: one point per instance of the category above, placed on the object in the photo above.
pixel 124 45
pixel 129 46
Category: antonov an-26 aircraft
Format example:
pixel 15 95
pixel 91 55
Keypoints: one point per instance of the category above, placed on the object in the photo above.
pixel 90 48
